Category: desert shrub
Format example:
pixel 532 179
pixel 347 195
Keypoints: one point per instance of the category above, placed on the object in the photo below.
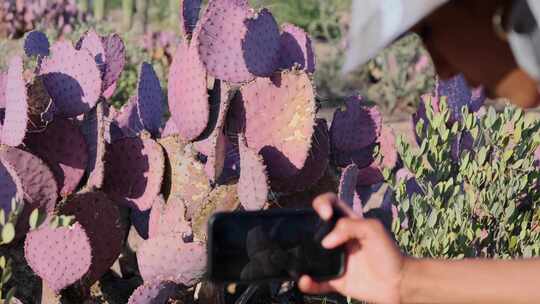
pixel 470 188
pixel 399 75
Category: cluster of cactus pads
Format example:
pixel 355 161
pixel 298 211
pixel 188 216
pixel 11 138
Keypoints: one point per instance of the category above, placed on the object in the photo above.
pixel 20 16
pixel 244 134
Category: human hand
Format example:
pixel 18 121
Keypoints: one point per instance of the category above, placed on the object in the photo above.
pixel 374 263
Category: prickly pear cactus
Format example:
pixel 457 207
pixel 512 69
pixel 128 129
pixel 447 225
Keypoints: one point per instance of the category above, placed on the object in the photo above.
pixel 347 184
pixel 62 146
pixel 190 15
pixel 188 96
pixel 296 49
pixel 169 218
pixel 170 258
pixel 60 256
pixel 253 185
pixel 72 78
pixel 100 218
pixel 134 171
pixel 16 120
pixel 36 44
pixel 154 293
pixel 237 44
pixel 281 132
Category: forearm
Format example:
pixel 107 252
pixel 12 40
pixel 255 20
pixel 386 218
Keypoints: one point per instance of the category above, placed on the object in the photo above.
pixel 470 281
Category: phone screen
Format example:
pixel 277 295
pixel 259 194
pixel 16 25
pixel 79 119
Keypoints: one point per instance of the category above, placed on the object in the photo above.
pixel 270 245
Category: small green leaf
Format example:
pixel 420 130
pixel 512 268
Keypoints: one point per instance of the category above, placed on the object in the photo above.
pixel 8 233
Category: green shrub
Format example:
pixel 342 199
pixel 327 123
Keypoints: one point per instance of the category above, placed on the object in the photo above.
pixel 482 202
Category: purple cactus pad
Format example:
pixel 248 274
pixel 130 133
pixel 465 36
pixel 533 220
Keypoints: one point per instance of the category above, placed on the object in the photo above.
pixel 62 146
pixel 355 126
pixel 169 219
pixel 170 257
pixel 100 218
pixel 149 99
pixel 110 56
pixel 279 120
pixel 157 292
pixel 190 10
pixel 237 44
pixel 253 186
pixel 60 256
pixel 72 78
pixel 188 95
pixel 129 119
pixel 134 171
pixel 16 116
pixel 10 187
pixel 36 43
pixel 314 168
pixel 347 185
pixel 296 49
pixel 37 181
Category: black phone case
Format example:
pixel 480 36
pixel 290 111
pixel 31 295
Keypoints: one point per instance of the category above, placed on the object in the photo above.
pixel 321 233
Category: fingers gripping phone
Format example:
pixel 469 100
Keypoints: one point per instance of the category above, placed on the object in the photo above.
pixel 247 247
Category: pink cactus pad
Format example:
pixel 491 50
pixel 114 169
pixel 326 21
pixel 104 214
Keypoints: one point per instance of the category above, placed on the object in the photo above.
pixel 355 126
pixel 100 218
pixel 60 256
pixel 37 181
pixel 157 292
pixel 134 171
pixel 280 118
pixel 94 128
pixel 314 168
pixel 72 78
pixel 347 184
pixel 10 187
pixel 169 219
pixel 91 42
pixel 129 119
pixel 190 15
pixel 170 129
pixel 36 43
pixel 62 146
pixel 3 88
pixel 253 186
pixel 172 258
pixel 110 55
pixel 149 99
pixel 236 44
pixel 188 95
pixel 16 116
pixel 296 49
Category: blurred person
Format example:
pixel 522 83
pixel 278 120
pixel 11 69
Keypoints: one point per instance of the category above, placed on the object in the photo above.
pixel 377 272
pixel 494 43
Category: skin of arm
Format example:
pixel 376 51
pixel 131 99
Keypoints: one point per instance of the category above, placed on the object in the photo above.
pixel 377 272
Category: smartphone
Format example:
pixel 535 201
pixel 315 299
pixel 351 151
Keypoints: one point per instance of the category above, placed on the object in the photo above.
pixel 272 245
